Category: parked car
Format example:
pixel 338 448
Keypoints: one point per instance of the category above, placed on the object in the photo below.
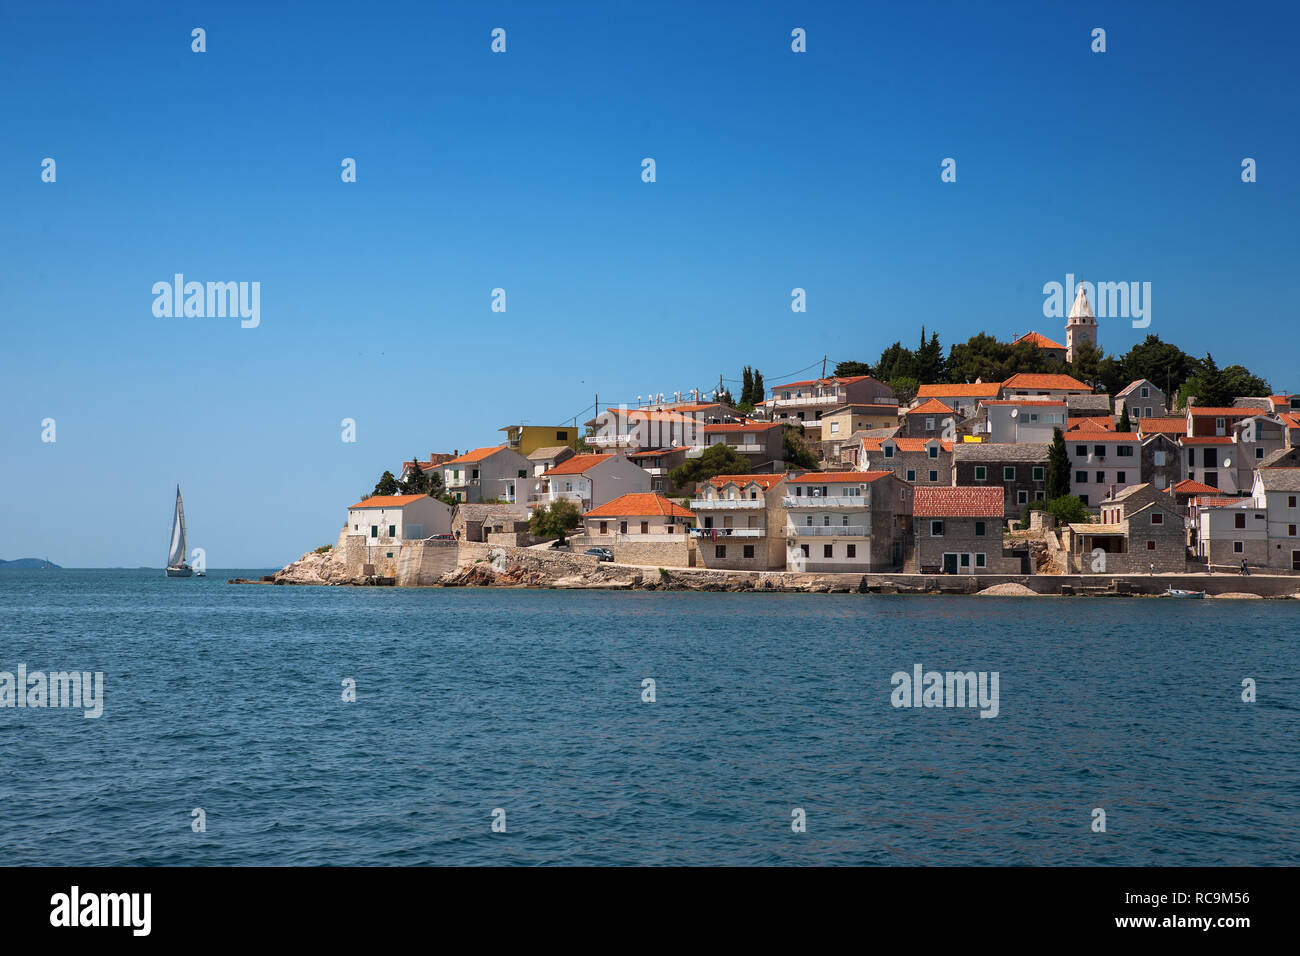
pixel 600 554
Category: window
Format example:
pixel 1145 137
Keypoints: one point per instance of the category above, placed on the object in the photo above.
pixel 934 451
pixel 1124 451
pixel 1151 545
pixel 392 531
pixel 645 527
pixel 1101 477
pixel 1008 472
pixel 719 550
pixel 1099 451
pixel 622 526
pixel 1121 477
pixel 1191 457
pixel 1083 499
pixel 979 529
pixel 1145 392
pixel 523 473
pixel 1040 496
pixel 911 474
pixel 1160 459
pixel 1290 501
pixel 1210 458
pixel 1290 530
pixel 826 521
pixel 1081 451
pixel 562 436
pixel 1218 424
pixel 980 473
pixel 979 560
pixel 844 520
pixel 1022 497
pixel 374 531
pixel 853 550
pixel 936 529
pixel 1259 452
pixel 1148 411
pixel 835 428
pixel 808 521
pixel 965 560
pixel 475 474
pixel 828 551
pixel 1038 473
pixel 889 450
pixel 804 548
pixel 929 424
pixel 604 527
pixel 748 550
pixel 1238 547
pixel 1239 521
pixel 1080 477
pixel 1157 517
pixel 934 475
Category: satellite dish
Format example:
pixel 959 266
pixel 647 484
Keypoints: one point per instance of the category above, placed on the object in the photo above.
pixel 1227 463
pixel 1015 413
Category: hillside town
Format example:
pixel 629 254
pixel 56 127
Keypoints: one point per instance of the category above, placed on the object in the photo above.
pixel 1038 473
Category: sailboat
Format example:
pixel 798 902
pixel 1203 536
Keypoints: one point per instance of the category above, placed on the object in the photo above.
pixel 176 566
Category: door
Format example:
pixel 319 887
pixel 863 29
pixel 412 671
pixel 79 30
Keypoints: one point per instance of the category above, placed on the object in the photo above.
pixel 950 564
pixel 1295 560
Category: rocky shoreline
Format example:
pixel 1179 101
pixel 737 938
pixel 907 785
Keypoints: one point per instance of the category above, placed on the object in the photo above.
pixel 466 564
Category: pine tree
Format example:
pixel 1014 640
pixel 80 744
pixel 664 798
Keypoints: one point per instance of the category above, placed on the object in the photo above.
pixel 1124 424
pixel 747 389
pixel 760 390
pixel 387 485
pixel 1058 467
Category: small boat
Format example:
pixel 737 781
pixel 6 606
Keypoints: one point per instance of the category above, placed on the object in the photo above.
pixel 176 566
pixel 1180 593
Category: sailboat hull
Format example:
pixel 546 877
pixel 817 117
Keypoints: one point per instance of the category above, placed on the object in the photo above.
pixel 179 572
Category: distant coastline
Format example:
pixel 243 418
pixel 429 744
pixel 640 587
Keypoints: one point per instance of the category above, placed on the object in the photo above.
pixel 28 563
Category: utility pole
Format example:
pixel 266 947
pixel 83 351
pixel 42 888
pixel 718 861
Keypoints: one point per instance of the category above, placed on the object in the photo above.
pixel 823 366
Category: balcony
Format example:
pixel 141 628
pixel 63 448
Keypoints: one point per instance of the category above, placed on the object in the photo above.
pixel 837 398
pixel 828 501
pixel 726 504
pixel 748 449
pixel 821 531
pixel 729 532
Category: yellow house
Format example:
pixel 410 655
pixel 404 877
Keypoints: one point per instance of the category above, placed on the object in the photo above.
pixel 526 439
pixel 840 423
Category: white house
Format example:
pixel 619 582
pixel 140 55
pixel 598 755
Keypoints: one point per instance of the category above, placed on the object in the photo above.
pixel 1024 419
pixel 385 519
pixel 589 481
pixel 1277 490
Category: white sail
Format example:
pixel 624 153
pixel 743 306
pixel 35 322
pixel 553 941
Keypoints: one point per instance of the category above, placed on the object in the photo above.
pixel 176 556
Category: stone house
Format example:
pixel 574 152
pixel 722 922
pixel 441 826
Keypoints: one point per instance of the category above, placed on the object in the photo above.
pixel 659 463
pixel 1018 470
pixel 846 521
pixel 1211 460
pixel 958 530
pixel 964 399
pixel 1161 461
pixel 1139 527
pixel 839 425
pixel 761 443
pixel 641 528
pixel 917 461
pixel 1035 385
pixel 740 522
pixel 1143 399
pixel 931 419
pixel 1102 462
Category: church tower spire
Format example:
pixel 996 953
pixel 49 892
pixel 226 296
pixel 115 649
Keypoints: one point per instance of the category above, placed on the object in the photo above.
pixel 1081 326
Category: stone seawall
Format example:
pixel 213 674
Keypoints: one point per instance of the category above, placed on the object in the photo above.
pixel 473 564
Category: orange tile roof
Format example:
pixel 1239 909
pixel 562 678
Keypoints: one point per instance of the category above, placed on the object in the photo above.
pixel 1032 380
pixel 1206 440
pixel 825 381
pixel 930 407
pixel 837 477
pixel 387 501
pixel 1290 419
pixel 904 444
pixel 1090 424
pixel 638 504
pixel 1189 487
pixel 1042 341
pixel 1223 412
pixel 478 454
pixel 1158 426
pixel 577 465
pixel 959 502
pixel 763 481
pixel 1223 502
pixel 975 390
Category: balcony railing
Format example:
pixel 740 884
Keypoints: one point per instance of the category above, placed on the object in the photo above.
pixel 747 449
pixel 803 400
pixel 730 532
pixel 821 531
pixel 698 504
pixel 825 501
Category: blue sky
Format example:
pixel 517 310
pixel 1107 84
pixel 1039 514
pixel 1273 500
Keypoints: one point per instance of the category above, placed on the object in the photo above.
pixel 521 170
